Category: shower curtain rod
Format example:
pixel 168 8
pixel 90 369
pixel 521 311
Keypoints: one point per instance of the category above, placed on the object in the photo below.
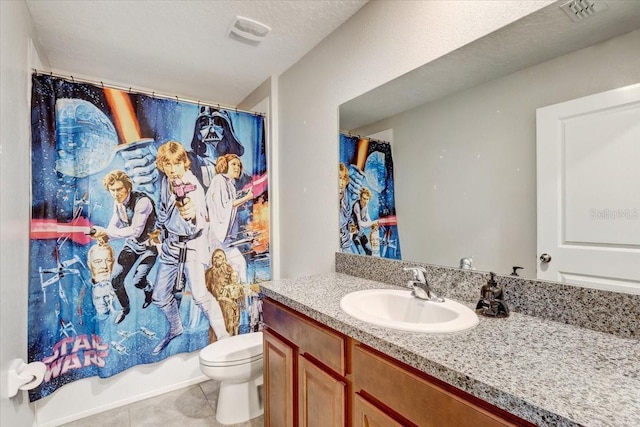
pixel 130 89
pixel 346 132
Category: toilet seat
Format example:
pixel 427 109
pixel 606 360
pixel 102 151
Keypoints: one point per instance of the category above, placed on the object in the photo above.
pixel 235 350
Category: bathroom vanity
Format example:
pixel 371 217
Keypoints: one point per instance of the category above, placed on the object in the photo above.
pixel 325 368
pixel 329 378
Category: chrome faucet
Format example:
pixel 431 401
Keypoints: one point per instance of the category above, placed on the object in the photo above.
pixel 420 285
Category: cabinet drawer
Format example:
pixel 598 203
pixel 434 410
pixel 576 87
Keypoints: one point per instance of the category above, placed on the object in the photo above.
pixel 420 401
pixel 366 414
pixel 317 341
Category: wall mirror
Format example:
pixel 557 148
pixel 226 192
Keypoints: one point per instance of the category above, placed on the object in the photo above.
pixel 463 130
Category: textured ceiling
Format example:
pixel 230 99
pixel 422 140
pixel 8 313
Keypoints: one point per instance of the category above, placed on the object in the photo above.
pixel 181 47
pixel 536 38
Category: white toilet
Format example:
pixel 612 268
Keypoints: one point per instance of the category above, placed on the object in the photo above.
pixel 237 363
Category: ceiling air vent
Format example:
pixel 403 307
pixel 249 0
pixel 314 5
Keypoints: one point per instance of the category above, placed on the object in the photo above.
pixel 581 9
pixel 248 31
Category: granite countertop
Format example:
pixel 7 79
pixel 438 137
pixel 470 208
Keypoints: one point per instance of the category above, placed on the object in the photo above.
pixel 548 373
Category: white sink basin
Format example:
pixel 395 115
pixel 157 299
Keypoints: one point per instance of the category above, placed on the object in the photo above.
pixel 398 309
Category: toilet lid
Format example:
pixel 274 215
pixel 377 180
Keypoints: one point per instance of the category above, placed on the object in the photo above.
pixel 233 350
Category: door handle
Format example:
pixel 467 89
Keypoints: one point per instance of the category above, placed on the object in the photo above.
pixel 545 258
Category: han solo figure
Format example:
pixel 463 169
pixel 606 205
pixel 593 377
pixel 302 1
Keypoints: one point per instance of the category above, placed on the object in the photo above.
pixel 134 217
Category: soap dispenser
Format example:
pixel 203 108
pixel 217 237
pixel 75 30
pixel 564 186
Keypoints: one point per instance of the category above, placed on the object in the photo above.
pixel 491 303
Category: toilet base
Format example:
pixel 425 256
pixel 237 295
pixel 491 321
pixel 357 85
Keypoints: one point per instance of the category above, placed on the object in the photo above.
pixel 239 402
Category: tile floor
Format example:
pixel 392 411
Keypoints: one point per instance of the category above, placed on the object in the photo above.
pixel 193 406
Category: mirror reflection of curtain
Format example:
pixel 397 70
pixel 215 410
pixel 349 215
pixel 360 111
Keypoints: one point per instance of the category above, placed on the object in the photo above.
pixel 368 223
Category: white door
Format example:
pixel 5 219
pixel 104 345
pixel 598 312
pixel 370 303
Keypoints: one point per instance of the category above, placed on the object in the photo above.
pixel 588 165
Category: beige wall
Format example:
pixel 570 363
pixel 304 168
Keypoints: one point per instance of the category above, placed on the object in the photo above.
pixel 466 164
pixel 18 56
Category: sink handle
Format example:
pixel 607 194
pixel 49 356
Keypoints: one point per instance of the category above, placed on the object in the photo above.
pixel 418 273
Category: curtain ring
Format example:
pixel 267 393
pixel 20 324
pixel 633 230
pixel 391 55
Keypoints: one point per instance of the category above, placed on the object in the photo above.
pixel 102 84
pixel 177 102
pixel 72 79
pixel 129 90
pixel 153 94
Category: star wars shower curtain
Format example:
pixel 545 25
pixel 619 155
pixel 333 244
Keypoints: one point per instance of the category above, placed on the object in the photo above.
pixel 149 231
pixel 368 224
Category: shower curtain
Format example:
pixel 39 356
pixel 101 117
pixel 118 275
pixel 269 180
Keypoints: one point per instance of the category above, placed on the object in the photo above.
pixel 368 224
pixel 149 231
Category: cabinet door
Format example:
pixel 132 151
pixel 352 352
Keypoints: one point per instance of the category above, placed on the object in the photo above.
pixel 365 414
pixel 278 379
pixel 321 397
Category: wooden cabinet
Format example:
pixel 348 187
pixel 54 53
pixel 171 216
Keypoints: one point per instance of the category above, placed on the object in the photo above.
pixel 317 377
pixel 305 364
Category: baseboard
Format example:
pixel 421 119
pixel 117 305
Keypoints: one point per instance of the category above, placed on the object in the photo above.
pixel 126 401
